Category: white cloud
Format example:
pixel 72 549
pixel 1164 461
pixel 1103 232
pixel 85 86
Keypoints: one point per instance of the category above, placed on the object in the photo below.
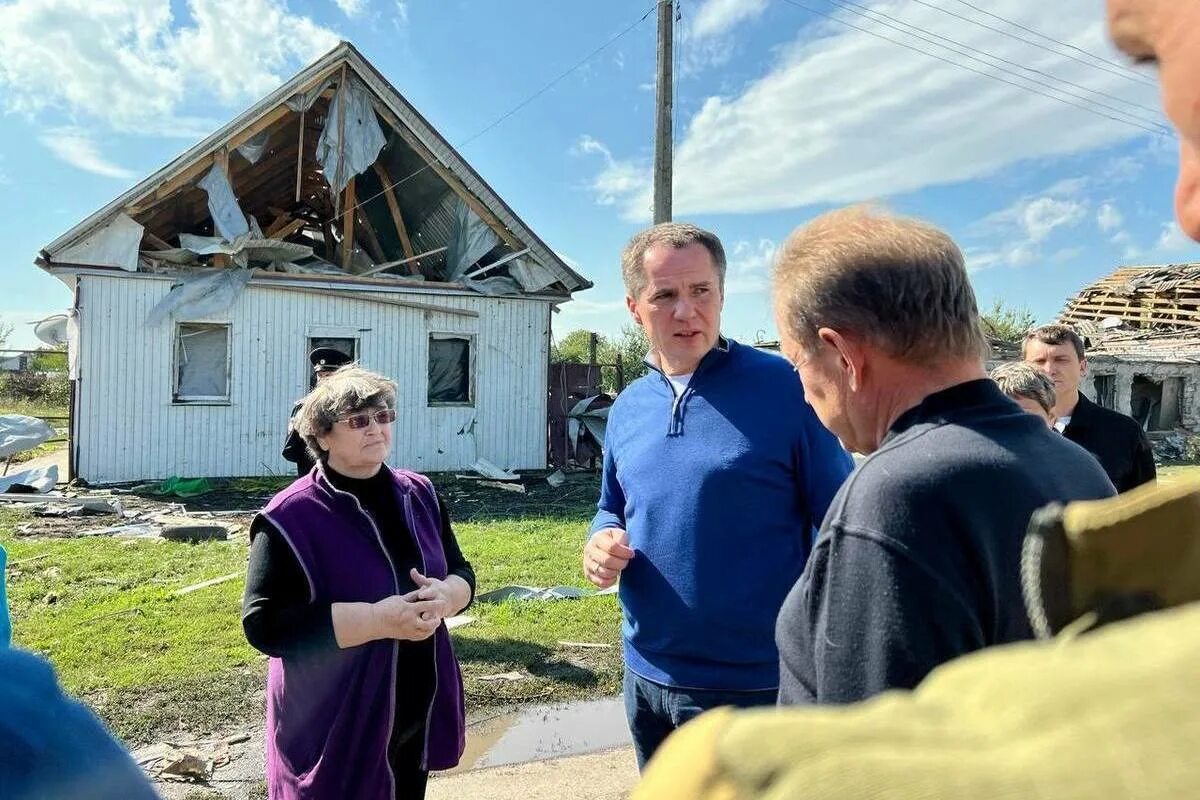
pixel 748 268
pixel 130 65
pixel 1043 215
pixel 75 147
pixel 1109 218
pixel 618 179
pixel 1172 238
pixel 843 116
pixel 719 17
pixel 351 8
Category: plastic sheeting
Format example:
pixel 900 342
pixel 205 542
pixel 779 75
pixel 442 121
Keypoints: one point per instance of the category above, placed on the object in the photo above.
pixel 114 244
pixel 227 215
pixel 304 101
pixel 241 250
pixel 31 480
pixel 203 358
pixel 584 415
pixel 470 240
pixel 532 276
pixel 363 136
pixel 495 286
pixel 200 296
pixel 253 148
pixel 449 369
pixel 19 433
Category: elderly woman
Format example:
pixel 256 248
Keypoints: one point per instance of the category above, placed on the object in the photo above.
pixel 1027 387
pixel 352 570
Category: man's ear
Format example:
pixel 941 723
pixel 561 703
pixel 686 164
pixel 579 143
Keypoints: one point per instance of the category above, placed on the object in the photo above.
pixel 849 355
pixel 631 304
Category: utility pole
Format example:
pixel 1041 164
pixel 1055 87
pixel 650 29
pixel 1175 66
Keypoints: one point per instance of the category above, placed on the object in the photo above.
pixel 663 94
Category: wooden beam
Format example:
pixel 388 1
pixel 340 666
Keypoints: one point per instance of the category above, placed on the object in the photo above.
pixel 348 225
pixel 300 157
pixel 340 172
pixel 158 243
pixel 394 207
pixel 390 264
pixel 368 238
pixel 343 295
pixel 330 242
pixel 288 230
pixel 449 177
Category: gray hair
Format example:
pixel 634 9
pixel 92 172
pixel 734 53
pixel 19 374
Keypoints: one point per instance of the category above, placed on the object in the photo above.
pixel 900 283
pixel 346 391
pixel 676 235
pixel 1018 379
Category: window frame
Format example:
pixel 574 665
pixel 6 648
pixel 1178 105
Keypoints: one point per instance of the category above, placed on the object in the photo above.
pixel 470 339
pixel 176 366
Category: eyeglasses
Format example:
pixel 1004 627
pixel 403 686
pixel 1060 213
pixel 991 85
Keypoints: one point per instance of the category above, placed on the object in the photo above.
pixel 356 422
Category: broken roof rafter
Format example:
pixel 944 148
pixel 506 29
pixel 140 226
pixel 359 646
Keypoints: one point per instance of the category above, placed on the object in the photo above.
pixel 170 196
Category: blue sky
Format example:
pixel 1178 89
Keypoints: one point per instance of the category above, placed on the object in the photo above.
pixel 781 114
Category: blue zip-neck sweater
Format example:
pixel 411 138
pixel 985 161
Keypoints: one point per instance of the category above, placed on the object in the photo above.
pixel 721 491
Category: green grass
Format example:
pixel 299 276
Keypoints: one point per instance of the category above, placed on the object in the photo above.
pixel 29 408
pixel 153 664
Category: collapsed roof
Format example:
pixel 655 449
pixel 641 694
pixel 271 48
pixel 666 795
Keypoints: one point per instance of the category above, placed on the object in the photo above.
pixel 333 173
pixel 1148 313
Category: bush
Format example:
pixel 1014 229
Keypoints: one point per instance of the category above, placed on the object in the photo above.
pixel 36 387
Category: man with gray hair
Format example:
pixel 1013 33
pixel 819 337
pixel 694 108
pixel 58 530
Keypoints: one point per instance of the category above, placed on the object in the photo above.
pixel 715 476
pixel 1026 387
pixel 918 559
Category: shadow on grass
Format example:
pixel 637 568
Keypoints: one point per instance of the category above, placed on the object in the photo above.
pixel 480 656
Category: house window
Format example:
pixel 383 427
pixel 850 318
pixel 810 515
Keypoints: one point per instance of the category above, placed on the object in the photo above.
pixel 450 368
pixel 346 344
pixel 201 363
pixel 1106 390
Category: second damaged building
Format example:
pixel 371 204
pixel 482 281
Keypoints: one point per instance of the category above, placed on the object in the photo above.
pixel 1142 327
pixel 329 214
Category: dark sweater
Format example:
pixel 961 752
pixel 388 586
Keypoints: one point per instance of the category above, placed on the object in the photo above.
pixel 1117 442
pixel 279 619
pixel 918 560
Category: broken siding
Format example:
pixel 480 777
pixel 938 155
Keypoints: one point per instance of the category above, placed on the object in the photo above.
pixel 129 429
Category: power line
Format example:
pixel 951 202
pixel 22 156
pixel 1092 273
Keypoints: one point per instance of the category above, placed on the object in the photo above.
pixel 1125 71
pixel 547 87
pixel 992 76
pixel 939 43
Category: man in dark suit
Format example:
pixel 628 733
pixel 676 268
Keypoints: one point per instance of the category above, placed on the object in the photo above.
pixel 1117 441
pixel 325 361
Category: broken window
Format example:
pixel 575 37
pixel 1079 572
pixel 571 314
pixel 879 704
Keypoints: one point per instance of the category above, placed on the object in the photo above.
pixel 201 362
pixel 1155 404
pixel 343 344
pixel 1106 390
pixel 450 370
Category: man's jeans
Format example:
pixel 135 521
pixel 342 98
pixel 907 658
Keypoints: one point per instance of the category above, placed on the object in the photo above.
pixel 654 710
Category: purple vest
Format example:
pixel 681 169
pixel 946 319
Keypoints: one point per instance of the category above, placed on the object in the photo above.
pixel 330 714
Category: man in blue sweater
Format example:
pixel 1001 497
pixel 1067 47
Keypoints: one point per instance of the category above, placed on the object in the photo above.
pixel 716 474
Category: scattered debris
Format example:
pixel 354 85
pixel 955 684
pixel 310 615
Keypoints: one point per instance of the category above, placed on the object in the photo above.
pixel 509 487
pixel 556 478
pixel 205 584
pixel 39 480
pixel 588 645
pixel 532 593
pixel 142 530
pixel 185 529
pixel 19 433
pixel 508 677
pixel 182 487
pixel 489 470
pixel 458 622
pixel 172 762
pixel 237 738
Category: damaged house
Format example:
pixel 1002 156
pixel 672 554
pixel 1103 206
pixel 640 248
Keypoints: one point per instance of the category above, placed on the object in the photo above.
pixel 1142 329
pixel 329 214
